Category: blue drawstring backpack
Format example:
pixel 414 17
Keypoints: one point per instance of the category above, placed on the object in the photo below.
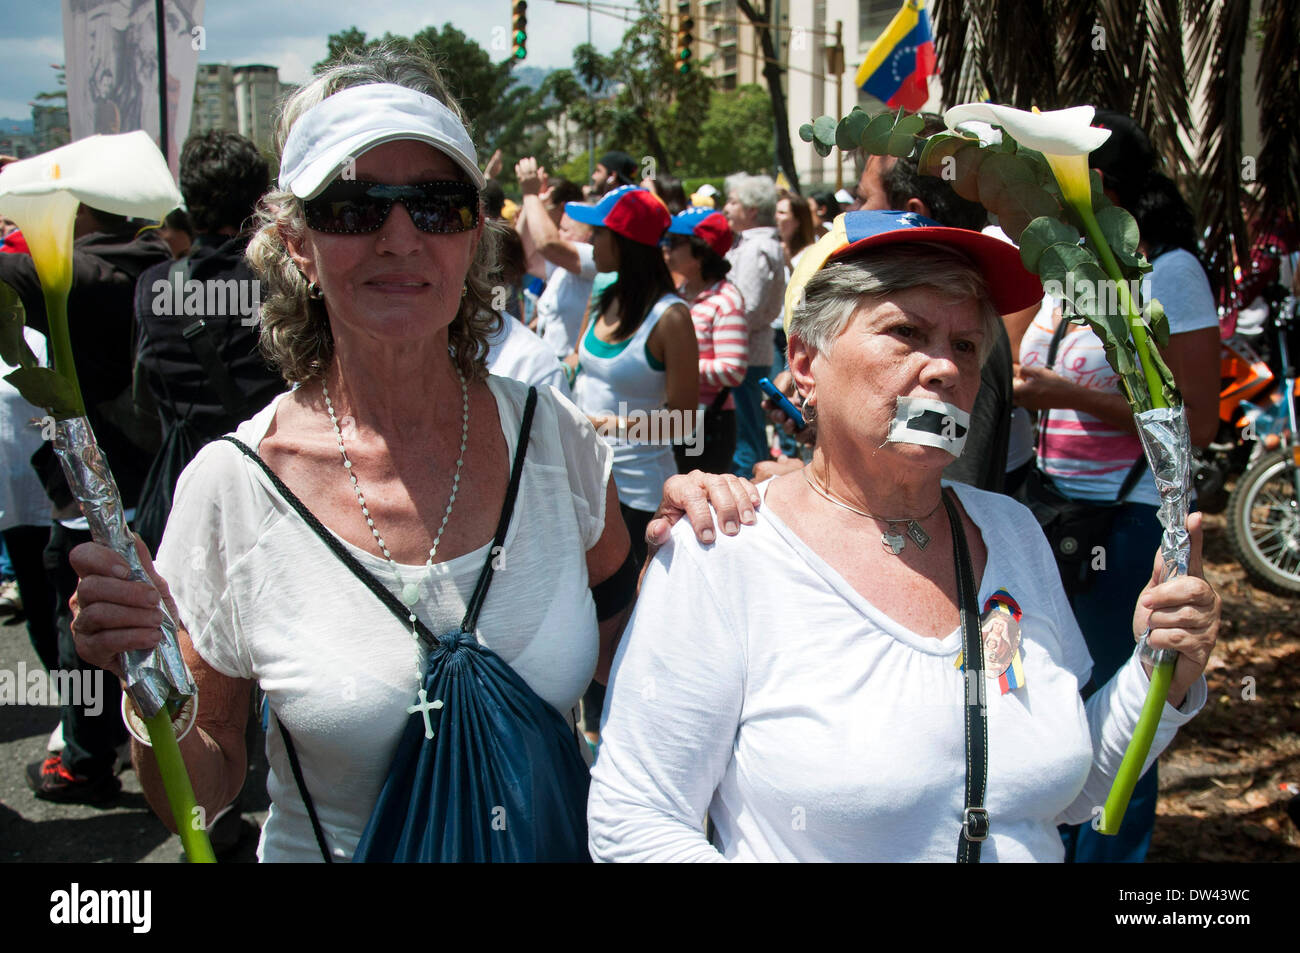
pixel 485 769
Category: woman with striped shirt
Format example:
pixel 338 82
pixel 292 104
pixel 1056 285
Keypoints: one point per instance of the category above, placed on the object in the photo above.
pixel 696 242
pixel 1088 444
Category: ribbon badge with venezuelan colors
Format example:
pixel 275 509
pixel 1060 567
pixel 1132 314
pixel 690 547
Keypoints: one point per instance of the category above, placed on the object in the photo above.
pixel 900 60
pixel 1000 629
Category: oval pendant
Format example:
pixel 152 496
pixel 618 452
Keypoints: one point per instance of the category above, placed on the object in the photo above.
pixel 410 593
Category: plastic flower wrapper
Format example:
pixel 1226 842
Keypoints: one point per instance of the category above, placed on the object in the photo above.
pixel 124 175
pixel 1030 170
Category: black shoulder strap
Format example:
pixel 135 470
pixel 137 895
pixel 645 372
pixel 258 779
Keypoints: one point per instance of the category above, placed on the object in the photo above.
pixel 336 546
pixel 975 817
pixel 296 768
pixel 1058 335
pixel 199 337
pixel 1139 465
pixel 503 525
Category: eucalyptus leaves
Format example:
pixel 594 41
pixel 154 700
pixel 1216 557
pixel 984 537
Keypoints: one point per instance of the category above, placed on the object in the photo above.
pixel 1083 248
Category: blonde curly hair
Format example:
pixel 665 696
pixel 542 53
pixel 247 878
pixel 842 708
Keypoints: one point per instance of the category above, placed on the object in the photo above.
pixel 295 332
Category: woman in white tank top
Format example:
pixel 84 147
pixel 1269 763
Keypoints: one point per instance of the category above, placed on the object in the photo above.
pixel 638 355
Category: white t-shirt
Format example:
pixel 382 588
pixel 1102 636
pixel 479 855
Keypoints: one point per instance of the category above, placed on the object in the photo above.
pixel 264 598
pixel 564 301
pixel 1086 457
pixel 517 352
pixel 755 685
pixel 22 497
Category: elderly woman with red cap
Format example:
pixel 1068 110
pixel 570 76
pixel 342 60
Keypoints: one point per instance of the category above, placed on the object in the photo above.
pixel 638 371
pixel 694 248
pixel 338 551
pixel 884 667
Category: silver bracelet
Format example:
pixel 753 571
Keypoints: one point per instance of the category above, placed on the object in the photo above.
pixel 182 722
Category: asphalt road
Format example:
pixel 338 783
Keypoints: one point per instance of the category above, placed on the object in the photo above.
pixel 125 830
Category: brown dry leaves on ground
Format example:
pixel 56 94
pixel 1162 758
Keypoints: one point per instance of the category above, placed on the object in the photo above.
pixel 1222 782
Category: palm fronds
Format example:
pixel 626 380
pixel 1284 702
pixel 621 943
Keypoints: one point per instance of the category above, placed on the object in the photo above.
pixel 1276 85
pixel 1218 37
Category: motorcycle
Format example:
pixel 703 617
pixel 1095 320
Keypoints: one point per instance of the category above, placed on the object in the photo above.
pixel 1264 507
pixel 1246 388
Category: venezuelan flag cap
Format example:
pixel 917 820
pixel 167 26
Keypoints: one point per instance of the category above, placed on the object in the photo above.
pixel 1011 287
pixel 632 212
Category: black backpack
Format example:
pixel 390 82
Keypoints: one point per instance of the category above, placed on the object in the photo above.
pixel 181 439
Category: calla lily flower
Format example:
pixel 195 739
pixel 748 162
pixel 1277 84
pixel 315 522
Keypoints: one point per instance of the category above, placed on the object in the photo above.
pixel 123 174
pixel 1063 136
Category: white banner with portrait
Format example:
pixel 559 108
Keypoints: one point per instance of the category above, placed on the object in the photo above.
pixel 112 67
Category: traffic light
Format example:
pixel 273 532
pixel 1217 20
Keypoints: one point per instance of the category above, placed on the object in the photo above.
pixel 519 28
pixel 685 36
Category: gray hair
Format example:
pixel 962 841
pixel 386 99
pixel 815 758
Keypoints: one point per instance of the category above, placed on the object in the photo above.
pixel 295 333
pixel 754 191
pixel 834 294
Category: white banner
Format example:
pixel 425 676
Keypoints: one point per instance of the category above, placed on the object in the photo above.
pixel 112 67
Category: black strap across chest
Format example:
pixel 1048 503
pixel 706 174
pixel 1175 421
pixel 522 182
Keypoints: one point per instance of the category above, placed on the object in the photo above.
pixel 1139 465
pixel 427 639
pixel 975 818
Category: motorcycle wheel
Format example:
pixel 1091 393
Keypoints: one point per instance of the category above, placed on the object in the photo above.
pixel 1264 523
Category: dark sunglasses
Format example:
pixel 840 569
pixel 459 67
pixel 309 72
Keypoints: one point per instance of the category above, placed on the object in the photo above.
pixel 356 207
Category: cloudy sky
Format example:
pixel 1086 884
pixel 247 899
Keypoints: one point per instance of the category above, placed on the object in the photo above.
pixel 282 33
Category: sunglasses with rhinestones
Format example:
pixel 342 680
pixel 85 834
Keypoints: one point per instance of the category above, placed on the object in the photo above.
pixel 354 207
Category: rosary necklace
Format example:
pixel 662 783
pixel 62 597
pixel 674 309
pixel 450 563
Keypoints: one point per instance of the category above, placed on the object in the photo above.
pixel 892 541
pixel 410 590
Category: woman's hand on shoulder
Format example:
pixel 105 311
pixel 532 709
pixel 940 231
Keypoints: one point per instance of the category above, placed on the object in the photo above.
pixel 1182 614
pixel 111 612
pixel 691 494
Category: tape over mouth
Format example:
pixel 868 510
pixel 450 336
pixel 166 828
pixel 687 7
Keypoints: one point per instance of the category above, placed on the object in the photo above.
pixel 929 423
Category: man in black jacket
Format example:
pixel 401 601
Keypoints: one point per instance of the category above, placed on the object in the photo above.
pixel 109 253
pixel 197 319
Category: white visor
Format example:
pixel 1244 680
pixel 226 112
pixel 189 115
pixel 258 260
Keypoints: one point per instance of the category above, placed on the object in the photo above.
pixel 343 126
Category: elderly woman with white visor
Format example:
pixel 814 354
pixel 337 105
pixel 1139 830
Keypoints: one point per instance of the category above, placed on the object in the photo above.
pixel 346 548
pixel 885 667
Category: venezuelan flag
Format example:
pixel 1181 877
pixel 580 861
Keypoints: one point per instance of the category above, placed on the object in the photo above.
pixel 898 63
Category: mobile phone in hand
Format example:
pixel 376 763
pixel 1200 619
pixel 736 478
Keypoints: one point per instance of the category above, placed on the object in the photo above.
pixel 783 402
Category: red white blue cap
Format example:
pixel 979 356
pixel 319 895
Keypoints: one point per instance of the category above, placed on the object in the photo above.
pixel 1011 287
pixel 704 223
pixel 629 211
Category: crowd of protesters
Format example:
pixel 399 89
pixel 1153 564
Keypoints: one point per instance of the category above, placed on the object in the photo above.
pixel 623 301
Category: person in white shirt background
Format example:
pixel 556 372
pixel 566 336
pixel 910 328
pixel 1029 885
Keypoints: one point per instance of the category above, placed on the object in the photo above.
pixel 564 248
pixel 25 511
pixel 799 682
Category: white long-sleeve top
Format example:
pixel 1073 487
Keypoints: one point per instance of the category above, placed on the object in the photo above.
pixel 756 686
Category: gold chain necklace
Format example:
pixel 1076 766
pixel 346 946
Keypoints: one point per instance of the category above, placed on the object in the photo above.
pixel 893 542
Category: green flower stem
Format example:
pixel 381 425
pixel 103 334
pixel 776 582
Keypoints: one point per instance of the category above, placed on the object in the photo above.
pixel 180 794
pixel 1140 339
pixel 1139 746
pixel 56 312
